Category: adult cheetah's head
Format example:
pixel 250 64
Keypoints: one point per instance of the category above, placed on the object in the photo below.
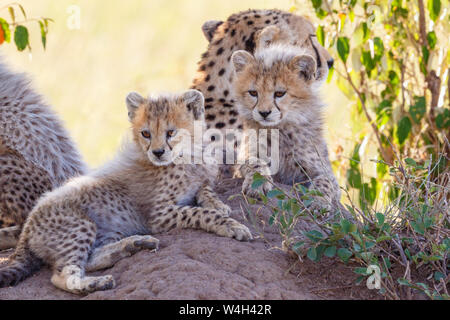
pixel 275 85
pixel 163 126
pixel 266 27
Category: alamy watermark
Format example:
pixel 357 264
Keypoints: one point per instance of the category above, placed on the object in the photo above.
pixel 233 146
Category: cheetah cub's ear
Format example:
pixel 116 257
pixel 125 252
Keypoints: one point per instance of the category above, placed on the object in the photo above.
pixel 195 103
pixel 209 27
pixel 304 66
pixel 240 59
pixel 133 100
pixel 267 36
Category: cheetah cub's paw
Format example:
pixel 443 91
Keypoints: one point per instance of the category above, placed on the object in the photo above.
pixel 254 193
pixel 223 208
pixel 102 283
pixel 236 230
pixel 138 243
pixel 320 205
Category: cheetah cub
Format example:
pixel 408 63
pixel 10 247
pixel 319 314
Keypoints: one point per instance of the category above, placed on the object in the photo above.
pixel 276 90
pixel 95 220
pixel 36 153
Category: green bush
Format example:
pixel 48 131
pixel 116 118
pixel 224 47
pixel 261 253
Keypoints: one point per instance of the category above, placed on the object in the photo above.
pixel 393 64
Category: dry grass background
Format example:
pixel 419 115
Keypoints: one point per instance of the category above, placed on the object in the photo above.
pixel 145 46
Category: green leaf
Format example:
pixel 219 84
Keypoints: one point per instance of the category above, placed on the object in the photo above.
pixel 316 3
pixel 43 34
pixel 314 235
pixel 378 47
pixel 387 262
pixel 347 226
pixel 360 270
pixel 320 35
pixel 403 129
pixel 296 247
pixel 380 218
pixel 344 254
pixel 382 169
pixel 272 218
pixel 383 238
pixel 258 180
pixel 434 7
pixel 5 27
pixel 23 11
pixel 403 282
pixel 330 251
pixel 312 254
pixel 11 12
pixel 417 110
pixel 418 227
pixel 367 256
pixel 443 119
pixel 438 276
pixel 411 162
pixel 21 37
pixel 343 48
pixel 274 193
pixel 354 178
pixel 432 39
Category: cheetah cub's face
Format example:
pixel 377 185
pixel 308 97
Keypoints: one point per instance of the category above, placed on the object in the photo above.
pixel 270 84
pixel 161 125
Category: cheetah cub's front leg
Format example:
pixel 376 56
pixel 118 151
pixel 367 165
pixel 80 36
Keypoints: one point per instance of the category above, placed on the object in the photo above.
pixel 248 170
pixel 210 220
pixel 207 198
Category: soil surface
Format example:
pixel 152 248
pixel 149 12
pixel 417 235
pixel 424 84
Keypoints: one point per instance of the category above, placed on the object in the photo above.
pixel 193 264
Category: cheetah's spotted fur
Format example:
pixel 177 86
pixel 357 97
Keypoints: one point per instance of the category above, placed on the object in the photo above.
pixel 276 90
pixel 36 152
pixel 95 220
pixel 242 31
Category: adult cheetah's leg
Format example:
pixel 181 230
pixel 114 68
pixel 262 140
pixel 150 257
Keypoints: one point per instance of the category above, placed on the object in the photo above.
pixel 211 220
pixel 21 184
pixel 108 255
pixel 207 198
pixel 9 237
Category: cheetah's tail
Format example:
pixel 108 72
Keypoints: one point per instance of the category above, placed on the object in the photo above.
pixel 9 237
pixel 21 264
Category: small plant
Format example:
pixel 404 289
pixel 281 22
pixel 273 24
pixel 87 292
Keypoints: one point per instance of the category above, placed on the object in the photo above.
pixel 408 241
pixel 17 31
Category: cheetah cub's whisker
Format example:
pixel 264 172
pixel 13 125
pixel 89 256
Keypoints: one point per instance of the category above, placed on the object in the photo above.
pixel 276 89
pixel 95 220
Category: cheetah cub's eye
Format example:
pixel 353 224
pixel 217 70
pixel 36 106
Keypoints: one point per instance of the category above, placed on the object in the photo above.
pixel 146 134
pixel 279 94
pixel 170 133
pixel 253 93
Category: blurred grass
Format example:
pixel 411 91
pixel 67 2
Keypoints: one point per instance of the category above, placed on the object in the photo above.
pixel 122 46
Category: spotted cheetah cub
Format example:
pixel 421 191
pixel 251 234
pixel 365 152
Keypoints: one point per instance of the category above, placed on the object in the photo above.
pixel 95 220
pixel 276 90
pixel 36 152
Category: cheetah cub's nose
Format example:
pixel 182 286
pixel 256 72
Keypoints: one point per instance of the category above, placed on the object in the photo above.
pixel 264 114
pixel 158 153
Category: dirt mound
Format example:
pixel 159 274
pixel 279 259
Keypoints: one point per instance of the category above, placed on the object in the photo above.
pixel 193 264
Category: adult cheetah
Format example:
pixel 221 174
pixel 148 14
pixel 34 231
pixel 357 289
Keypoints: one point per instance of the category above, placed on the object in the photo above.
pixel 36 152
pixel 242 31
